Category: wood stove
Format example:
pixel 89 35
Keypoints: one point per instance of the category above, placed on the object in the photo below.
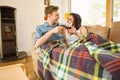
pixel 8 47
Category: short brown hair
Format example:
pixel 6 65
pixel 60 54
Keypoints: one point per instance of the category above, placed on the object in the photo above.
pixel 50 9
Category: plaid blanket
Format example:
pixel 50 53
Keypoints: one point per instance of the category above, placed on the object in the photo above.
pixel 89 58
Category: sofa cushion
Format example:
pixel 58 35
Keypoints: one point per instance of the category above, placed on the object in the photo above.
pixel 102 31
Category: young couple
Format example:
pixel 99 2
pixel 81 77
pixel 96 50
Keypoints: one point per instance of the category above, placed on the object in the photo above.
pixel 51 31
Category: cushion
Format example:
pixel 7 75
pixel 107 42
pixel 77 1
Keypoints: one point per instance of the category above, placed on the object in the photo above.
pixel 102 31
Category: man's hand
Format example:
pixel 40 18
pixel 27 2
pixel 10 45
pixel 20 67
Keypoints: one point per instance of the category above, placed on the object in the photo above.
pixel 57 29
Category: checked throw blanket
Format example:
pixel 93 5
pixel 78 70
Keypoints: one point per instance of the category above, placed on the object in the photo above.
pixel 89 58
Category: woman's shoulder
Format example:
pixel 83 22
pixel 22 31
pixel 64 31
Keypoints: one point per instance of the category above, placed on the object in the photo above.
pixel 83 30
pixel 82 27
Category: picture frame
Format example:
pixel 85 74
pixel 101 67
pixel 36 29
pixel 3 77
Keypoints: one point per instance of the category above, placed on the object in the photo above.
pixel 47 2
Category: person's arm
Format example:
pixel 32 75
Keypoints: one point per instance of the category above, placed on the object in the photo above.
pixel 83 30
pixel 46 36
pixel 74 31
pixel 77 34
pixel 43 39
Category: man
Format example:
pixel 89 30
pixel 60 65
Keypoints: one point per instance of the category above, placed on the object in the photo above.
pixel 48 31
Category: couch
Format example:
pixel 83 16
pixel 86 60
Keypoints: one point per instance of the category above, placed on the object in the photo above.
pixel 112 34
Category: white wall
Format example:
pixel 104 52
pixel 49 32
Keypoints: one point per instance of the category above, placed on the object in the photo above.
pixel 29 14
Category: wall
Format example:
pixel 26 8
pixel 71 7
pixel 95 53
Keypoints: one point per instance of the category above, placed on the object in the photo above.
pixel 29 14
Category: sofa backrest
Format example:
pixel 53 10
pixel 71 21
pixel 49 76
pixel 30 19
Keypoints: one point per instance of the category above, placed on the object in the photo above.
pixel 102 31
pixel 115 32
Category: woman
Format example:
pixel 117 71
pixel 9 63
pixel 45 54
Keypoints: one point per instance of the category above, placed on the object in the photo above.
pixel 74 30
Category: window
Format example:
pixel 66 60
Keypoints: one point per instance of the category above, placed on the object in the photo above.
pixel 116 10
pixel 92 12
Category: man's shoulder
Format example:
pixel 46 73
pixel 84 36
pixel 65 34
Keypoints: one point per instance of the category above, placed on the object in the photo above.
pixel 43 25
pixel 39 26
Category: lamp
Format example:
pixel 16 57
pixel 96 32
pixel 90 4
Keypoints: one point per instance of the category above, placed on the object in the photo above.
pixel 66 15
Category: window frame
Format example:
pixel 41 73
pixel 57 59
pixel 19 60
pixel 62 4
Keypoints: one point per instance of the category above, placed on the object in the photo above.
pixel 109 11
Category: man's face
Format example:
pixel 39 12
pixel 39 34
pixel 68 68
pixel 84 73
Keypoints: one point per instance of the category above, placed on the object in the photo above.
pixel 54 16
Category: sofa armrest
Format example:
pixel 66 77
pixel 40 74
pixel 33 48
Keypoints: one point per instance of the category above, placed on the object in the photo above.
pixel 115 32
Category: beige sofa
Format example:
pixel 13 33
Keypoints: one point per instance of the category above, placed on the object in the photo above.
pixel 112 34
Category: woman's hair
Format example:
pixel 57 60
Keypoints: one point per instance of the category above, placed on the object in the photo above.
pixel 77 20
pixel 50 9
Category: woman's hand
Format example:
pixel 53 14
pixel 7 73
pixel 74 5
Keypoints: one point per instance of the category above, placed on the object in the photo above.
pixel 72 30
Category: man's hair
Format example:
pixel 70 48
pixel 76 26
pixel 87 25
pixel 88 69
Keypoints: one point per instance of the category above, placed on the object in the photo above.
pixel 50 9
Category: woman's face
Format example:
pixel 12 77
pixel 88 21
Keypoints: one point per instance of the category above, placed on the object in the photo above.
pixel 70 20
